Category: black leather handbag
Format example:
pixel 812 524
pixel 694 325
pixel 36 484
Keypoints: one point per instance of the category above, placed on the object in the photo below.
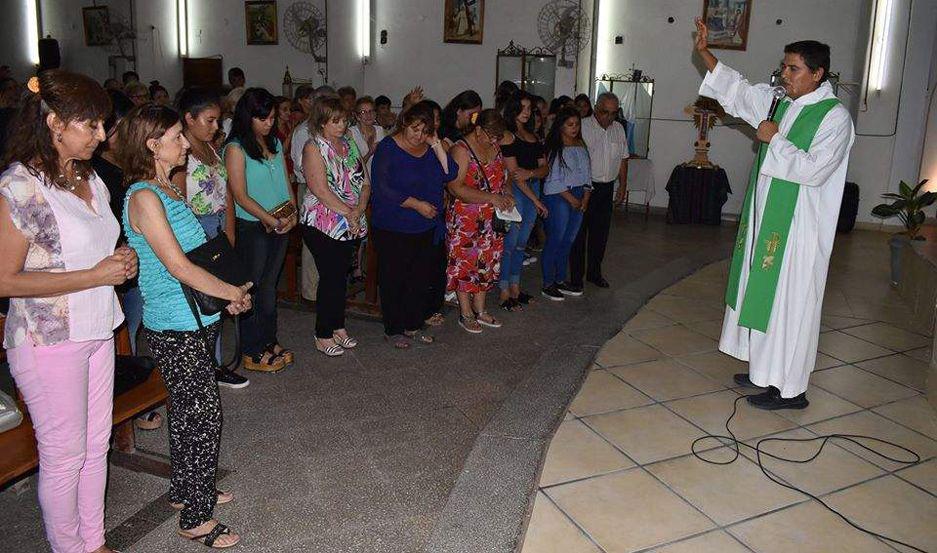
pixel 218 258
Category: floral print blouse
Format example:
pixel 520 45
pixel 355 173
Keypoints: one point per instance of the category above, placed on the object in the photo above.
pixel 346 178
pixel 206 186
pixel 89 236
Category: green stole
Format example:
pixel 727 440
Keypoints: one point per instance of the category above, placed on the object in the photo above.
pixel 775 227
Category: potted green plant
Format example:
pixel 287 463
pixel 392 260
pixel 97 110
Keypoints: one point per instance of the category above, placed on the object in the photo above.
pixel 908 205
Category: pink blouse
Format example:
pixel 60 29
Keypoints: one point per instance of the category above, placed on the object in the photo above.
pixel 64 234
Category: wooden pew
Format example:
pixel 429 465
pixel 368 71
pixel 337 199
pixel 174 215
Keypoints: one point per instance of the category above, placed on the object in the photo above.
pixel 19 444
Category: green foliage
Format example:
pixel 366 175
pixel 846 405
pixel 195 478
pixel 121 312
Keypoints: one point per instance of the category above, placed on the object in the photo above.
pixel 908 205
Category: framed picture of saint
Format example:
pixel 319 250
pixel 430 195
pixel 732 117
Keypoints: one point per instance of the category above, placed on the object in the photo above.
pixel 261 19
pixel 728 23
pixel 96 22
pixel 464 21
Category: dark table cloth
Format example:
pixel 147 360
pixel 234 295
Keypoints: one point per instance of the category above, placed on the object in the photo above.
pixel 697 195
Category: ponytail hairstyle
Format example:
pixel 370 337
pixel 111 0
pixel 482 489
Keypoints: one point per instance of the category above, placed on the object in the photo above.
pixel 490 121
pixel 465 100
pixel 149 121
pixel 72 97
pixel 554 142
pixel 193 101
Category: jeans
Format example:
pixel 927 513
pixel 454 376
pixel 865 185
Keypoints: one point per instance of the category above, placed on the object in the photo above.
pixel 515 242
pixel 588 250
pixel 213 225
pixel 133 314
pixel 69 390
pixel 262 253
pixel 333 259
pixel 561 226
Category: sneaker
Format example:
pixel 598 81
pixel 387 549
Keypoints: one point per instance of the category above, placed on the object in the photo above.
pixel 551 292
pixel 569 289
pixel 230 379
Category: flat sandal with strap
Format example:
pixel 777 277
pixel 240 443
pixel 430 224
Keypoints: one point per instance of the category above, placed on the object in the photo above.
pixel 208 539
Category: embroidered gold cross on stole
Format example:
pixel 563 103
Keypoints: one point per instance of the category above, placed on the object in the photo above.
pixel 740 241
pixel 771 246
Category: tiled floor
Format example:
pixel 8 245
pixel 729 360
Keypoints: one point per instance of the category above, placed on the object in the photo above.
pixel 619 476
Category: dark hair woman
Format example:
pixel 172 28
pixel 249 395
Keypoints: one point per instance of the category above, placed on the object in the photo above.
pixel 161 228
pixel 259 183
pixel 504 92
pixel 583 105
pixel 408 228
pixel 283 130
pixel 474 247
pixel 457 115
pixel 525 161
pixel 566 192
pixel 59 267
pixel 333 217
pixel 159 94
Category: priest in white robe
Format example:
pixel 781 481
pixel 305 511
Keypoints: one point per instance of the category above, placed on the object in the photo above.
pixel 786 231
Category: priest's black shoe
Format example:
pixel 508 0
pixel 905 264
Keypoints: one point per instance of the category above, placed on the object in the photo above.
pixel 600 282
pixel 744 381
pixel 772 400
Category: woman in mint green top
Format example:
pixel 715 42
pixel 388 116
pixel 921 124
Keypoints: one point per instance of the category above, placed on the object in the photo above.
pixel 258 181
pixel 161 228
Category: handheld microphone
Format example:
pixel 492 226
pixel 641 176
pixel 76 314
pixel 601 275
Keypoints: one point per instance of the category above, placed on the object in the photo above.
pixel 779 93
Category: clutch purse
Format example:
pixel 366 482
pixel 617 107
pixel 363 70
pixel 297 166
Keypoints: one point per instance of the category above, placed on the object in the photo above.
pixel 283 211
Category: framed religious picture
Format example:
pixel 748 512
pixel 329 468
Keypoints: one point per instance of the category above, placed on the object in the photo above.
pixel 463 21
pixel 260 17
pixel 97 25
pixel 728 23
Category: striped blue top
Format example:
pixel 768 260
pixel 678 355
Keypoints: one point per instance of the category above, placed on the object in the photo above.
pixel 164 304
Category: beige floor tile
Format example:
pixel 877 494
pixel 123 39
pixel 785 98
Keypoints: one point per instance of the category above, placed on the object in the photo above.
pixel 866 423
pixel 645 318
pixel 888 336
pixel 710 329
pixel 665 379
pixel 716 365
pixel 676 340
pixel 834 469
pixel 824 361
pixel 685 310
pixel 603 392
pixel 924 355
pixel 710 412
pixel 726 493
pixel 805 528
pixel 712 542
pixel 577 452
pixel 860 387
pixel 891 507
pixel 700 289
pixel 627 511
pixel 623 349
pixel 835 303
pixel 901 368
pixel 923 475
pixel 823 405
pixel 896 314
pixel 569 416
pixel 849 348
pixel 837 322
pixel 914 413
pixel 550 531
pixel 646 434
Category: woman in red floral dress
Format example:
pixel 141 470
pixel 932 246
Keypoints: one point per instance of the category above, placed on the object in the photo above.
pixel 474 246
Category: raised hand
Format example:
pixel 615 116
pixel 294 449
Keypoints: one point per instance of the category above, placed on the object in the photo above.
pixel 702 35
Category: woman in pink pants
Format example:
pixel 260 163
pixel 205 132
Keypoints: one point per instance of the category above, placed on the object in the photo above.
pixel 59 266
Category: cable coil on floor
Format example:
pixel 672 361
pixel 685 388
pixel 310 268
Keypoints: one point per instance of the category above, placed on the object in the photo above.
pixel 735 444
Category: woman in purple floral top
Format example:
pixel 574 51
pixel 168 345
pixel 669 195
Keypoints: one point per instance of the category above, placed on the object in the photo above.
pixel 60 266
pixel 333 216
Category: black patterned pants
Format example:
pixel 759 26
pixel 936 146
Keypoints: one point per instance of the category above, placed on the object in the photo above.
pixel 187 363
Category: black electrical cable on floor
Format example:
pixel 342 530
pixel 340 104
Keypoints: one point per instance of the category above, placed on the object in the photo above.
pixel 851 438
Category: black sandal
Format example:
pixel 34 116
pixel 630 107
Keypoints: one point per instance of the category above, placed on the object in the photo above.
pixel 286 354
pixel 208 539
pixel 510 304
pixel 419 336
pixel 524 298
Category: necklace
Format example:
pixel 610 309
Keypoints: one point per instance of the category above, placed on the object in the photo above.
pixel 64 182
pixel 173 187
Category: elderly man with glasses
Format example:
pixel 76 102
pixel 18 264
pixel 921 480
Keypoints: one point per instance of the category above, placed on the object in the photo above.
pixel 608 150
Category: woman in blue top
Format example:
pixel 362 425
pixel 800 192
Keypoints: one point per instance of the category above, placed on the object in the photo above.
pixel 160 226
pixel 566 193
pixel 258 181
pixel 409 175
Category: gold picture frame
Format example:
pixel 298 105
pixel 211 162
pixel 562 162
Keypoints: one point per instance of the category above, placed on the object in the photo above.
pixel 728 23
pixel 464 21
pixel 260 19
